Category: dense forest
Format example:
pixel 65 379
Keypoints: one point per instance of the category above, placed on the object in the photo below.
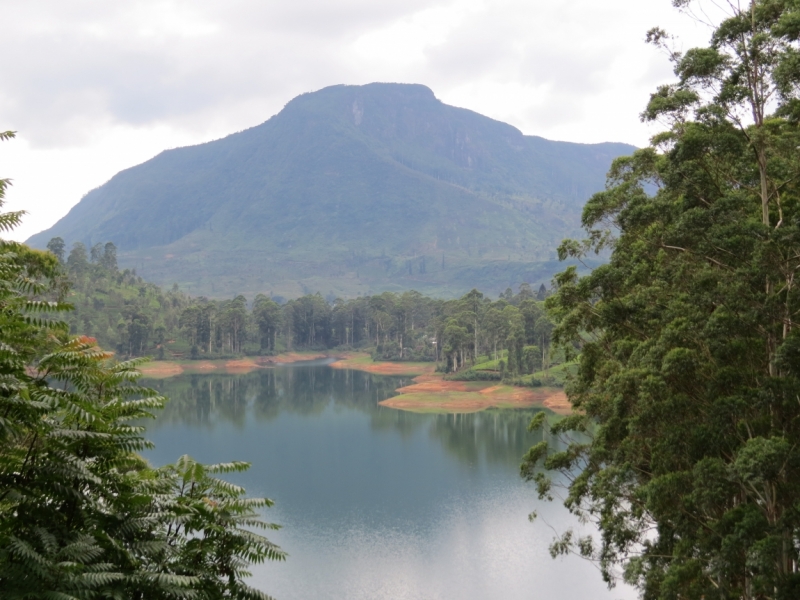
pixel 689 373
pixel 137 318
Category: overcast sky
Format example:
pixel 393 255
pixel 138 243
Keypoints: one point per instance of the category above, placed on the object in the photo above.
pixel 93 86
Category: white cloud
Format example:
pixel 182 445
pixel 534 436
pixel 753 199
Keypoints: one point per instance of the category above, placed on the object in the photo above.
pixel 95 86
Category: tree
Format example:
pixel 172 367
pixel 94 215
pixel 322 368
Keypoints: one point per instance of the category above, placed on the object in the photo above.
pixel 267 315
pixel 78 262
pixel 531 359
pixel 542 332
pixel 233 322
pixel 190 322
pixel 96 253
pixel 308 319
pixel 531 313
pixel 525 292
pixel 456 338
pixel 210 529
pixel 138 329
pixel 690 366
pixel 57 247
pixel 82 515
pixel 494 327
pixel 473 303
pixel 515 338
pixel 109 258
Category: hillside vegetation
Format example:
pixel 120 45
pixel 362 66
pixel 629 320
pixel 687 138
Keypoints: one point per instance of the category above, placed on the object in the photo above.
pixel 349 190
pixel 472 337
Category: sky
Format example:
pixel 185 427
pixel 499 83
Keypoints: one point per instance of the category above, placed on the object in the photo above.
pixel 93 87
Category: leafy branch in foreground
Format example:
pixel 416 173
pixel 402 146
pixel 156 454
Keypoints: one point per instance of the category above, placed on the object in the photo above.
pixel 82 514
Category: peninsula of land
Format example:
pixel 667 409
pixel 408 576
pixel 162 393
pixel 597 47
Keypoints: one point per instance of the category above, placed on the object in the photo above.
pixel 428 392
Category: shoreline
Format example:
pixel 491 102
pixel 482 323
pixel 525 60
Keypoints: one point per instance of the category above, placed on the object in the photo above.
pixel 362 361
pixel 161 369
pixel 432 393
pixel 429 392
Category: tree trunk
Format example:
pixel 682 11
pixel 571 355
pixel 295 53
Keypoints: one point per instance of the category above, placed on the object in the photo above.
pixel 475 352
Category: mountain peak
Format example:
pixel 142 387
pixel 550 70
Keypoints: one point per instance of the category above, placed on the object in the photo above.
pixel 348 189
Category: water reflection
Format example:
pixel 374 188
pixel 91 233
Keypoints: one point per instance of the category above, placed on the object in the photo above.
pixel 209 400
pixel 376 503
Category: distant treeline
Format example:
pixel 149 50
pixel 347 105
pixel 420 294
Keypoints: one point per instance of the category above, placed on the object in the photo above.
pixel 137 318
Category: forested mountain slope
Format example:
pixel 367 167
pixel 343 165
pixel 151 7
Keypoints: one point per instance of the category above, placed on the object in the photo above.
pixel 351 189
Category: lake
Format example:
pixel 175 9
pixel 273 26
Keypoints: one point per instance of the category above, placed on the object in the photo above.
pixel 376 503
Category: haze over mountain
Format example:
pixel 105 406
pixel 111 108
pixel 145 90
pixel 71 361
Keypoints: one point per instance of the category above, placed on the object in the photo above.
pixel 350 189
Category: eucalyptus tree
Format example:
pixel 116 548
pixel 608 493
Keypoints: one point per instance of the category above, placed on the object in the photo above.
pixel 109 258
pixel 78 259
pixel 308 320
pixel 474 303
pixel 232 324
pixel 96 253
pixel 689 375
pixel 189 322
pixel 57 246
pixel 267 316
pixel 139 328
pixel 456 338
pixel 515 337
pixel 494 326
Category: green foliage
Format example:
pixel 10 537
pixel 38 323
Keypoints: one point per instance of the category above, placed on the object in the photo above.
pixel 475 375
pixel 82 514
pixel 267 317
pixel 119 309
pixel 210 529
pixel 138 318
pixel 688 370
pixel 410 194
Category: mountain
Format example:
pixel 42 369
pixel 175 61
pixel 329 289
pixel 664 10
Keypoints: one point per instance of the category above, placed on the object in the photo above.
pixel 348 190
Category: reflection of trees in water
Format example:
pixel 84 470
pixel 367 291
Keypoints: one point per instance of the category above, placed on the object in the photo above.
pixel 497 436
pixel 201 400
pixel 494 435
pixel 204 399
pixel 309 391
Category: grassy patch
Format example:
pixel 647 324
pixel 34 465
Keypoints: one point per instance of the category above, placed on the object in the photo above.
pixel 557 375
pixel 356 359
pixel 488 363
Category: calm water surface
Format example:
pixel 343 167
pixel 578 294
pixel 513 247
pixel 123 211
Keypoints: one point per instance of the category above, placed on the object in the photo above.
pixel 376 503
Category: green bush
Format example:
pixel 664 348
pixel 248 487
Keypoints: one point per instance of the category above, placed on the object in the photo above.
pixel 473 375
